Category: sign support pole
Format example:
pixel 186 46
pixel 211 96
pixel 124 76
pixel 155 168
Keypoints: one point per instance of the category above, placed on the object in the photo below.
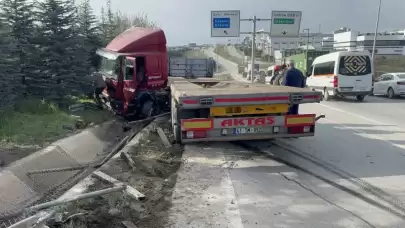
pixel 253 50
pixel 285 22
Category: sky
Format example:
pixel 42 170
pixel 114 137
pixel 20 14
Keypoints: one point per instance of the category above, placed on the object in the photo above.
pixel 188 21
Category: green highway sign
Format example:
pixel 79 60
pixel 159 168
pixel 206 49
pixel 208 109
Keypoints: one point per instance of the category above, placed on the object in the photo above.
pixel 283 21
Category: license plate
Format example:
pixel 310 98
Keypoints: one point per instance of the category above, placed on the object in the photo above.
pixel 359 86
pixel 249 130
pixel 248 110
pixel 360 89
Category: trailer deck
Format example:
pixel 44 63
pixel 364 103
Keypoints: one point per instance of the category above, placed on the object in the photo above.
pixel 210 93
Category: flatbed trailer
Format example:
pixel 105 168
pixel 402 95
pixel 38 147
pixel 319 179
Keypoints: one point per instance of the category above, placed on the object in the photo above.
pixel 213 110
pixel 137 86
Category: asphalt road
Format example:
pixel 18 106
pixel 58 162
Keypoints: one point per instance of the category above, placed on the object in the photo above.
pixel 351 174
pixel 235 53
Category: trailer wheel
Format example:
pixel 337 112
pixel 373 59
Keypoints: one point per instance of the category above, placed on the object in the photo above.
pixel 175 125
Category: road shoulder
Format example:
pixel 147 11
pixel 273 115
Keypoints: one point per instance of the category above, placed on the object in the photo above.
pixel 204 195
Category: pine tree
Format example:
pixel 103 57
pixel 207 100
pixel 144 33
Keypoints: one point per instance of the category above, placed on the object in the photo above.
pixel 103 27
pixel 18 16
pixel 9 74
pixel 90 31
pixel 59 42
pixel 111 29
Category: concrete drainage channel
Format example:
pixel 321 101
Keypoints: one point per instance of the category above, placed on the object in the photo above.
pixel 41 178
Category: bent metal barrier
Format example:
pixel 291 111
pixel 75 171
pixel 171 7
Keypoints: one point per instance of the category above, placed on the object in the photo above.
pixel 77 192
pixel 23 183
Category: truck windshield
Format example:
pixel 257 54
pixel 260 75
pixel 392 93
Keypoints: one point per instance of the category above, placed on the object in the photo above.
pixel 354 65
pixel 109 67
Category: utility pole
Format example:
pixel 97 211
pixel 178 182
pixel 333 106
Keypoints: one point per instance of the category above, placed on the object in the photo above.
pixel 376 30
pixel 216 61
pixel 306 50
pixel 252 62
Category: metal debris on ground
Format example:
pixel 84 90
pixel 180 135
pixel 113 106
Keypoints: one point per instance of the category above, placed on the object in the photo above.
pixel 128 224
pixel 132 192
pixel 149 118
pixel 75 198
pixel 163 137
pixel 116 149
pixel 127 158
pixel 62 169
pixel 38 220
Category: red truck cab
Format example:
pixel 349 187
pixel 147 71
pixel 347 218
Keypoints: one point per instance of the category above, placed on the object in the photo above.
pixel 134 67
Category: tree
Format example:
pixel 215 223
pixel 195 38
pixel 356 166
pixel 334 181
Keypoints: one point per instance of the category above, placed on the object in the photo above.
pixel 123 22
pixel 113 24
pixel 59 42
pixel 9 74
pixel 18 16
pixel 90 31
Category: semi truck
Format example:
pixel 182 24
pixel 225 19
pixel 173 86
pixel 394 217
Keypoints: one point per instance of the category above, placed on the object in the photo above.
pixel 202 109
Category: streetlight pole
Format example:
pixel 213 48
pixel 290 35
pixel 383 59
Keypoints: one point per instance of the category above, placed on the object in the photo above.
pixel 306 49
pixel 376 29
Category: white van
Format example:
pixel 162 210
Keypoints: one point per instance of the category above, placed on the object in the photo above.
pixel 343 73
pixel 271 72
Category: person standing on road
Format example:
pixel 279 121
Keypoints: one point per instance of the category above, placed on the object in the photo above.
pixel 280 78
pixel 294 78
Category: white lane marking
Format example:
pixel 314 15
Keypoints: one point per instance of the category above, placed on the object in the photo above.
pixel 370 135
pixel 352 114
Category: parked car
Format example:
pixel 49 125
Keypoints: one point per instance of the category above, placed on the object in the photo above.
pixel 390 84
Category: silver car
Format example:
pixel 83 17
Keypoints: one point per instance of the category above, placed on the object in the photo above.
pixel 390 84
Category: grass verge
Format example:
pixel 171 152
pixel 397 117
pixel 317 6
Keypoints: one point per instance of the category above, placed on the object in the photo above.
pixel 33 124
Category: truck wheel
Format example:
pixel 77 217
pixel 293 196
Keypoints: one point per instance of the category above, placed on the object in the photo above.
pixel 390 93
pixel 326 96
pixel 175 126
pixel 148 109
pixel 360 97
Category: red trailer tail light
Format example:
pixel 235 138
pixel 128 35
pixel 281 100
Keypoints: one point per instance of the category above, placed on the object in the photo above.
pixel 335 82
pixel 300 129
pixel 195 134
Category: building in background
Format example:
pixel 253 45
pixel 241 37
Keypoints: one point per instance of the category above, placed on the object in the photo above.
pixel 271 44
pixel 388 43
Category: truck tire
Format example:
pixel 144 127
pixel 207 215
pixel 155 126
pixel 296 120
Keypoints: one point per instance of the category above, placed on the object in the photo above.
pixel 360 97
pixel 175 125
